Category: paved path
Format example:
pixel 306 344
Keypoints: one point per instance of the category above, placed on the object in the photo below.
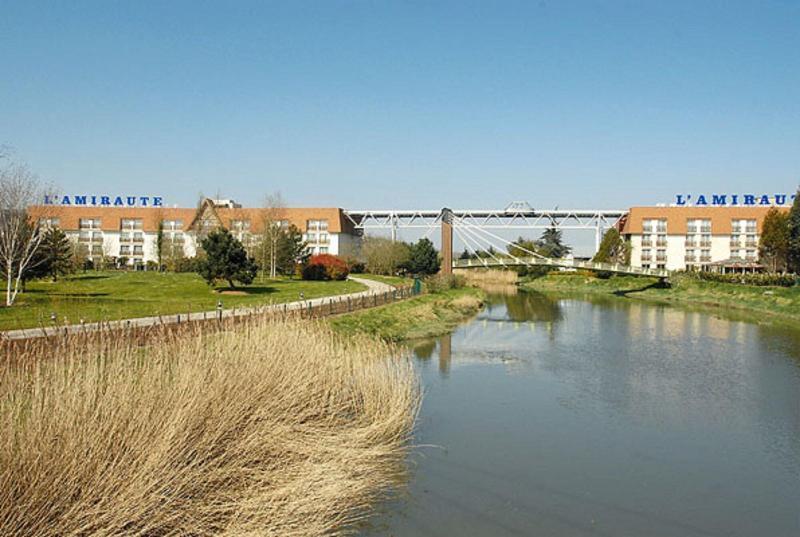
pixel 373 288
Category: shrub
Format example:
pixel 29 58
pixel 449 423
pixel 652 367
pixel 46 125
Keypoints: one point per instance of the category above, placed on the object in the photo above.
pixel 443 282
pixel 765 279
pixel 325 267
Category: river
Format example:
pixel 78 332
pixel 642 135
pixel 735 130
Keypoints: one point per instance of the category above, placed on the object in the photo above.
pixel 558 416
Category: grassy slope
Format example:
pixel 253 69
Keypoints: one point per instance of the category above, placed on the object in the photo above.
pixel 781 302
pixel 422 316
pixel 117 295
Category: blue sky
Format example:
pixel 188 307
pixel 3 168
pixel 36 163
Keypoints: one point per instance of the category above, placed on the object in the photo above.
pixel 405 104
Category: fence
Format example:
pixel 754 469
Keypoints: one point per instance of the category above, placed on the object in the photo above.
pixel 221 319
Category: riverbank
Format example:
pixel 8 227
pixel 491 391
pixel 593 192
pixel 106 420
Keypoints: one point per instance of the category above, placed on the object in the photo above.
pixel 427 315
pixel 776 303
pixel 237 432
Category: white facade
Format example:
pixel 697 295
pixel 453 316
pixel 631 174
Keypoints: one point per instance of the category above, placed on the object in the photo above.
pixel 658 247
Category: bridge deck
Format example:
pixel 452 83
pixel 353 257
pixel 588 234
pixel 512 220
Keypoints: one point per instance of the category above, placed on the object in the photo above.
pixel 560 263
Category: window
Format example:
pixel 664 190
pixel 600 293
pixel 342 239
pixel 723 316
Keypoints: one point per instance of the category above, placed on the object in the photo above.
pixel 317 224
pixel 124 249
pixel 323 250
pixel 705 256
pixel 661 255
pixel 137 249
pixel 646 255
pixel 131 223
pixel 690 256
pixel 240 225
pixel 50 222
pixel 172 225
pixel 89 223
pixel 138 237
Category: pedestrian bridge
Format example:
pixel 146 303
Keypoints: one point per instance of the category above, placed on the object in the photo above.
pixel 616 268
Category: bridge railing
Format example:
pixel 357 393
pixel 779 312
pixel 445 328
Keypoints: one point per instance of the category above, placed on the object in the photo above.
pixel 617 268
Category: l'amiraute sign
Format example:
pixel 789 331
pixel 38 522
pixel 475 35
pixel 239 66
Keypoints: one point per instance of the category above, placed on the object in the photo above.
pixel 105 201
pixel 734 200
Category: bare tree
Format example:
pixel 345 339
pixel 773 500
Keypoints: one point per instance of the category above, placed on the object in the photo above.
pixel 272 215
pixel 20 232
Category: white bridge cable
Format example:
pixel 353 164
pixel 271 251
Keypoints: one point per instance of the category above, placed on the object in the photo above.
pixel 505 241
pixel 467 227
pixel 466 242
pixel 491 245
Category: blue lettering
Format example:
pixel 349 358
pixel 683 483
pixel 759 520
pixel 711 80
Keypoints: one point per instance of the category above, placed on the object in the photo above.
pixel 701 200
pixel 734 199
pixel 80 200
pixel 719 199
pixel 749 199
pixel 65 200
pixel 679 199
pixel 47 200
pixel 118 202
pixel 764 200
pixel 144 199
pixel 157 201
pixel 105 200
pixel 131 201
pixel 94 200
pixel 780 199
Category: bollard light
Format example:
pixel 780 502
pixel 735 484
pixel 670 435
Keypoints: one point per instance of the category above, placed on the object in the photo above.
pixel 53 317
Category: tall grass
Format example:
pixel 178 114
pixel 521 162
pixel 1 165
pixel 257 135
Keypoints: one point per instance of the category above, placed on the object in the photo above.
pixel 271 428
pixel 480 277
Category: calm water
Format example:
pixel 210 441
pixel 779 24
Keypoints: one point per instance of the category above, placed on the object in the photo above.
pixel 612 418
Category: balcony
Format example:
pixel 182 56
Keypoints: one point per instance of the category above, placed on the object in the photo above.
pixel 662 243
pixel 705 244
pixel 692 243
pixel 689 258
pixel 661 258
pixel 751 244
pixel 646 259
pixel 705 259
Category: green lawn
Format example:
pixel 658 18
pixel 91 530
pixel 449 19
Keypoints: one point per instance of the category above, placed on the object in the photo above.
pixel 115 295
pixel 425 315
pixel 397 281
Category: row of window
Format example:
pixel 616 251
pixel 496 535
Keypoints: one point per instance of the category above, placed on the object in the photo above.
pixel 132 224
pixel 699 225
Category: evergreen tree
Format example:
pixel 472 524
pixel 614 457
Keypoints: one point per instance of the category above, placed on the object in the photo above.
pixel 53 257
pixel 291 250
pixel 551 245
pixel 424 258
pixel 794 236
pixel 225 259
pixel 522 247
pixel 613 249
pixel 773 245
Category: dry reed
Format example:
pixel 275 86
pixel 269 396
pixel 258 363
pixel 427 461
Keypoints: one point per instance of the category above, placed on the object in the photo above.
pixel 480 277
pixel 270 428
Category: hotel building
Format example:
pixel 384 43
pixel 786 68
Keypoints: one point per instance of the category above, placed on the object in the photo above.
pixel 686 237
pixel 132 232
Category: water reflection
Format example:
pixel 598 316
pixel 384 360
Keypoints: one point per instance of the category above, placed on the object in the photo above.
pixel 560 416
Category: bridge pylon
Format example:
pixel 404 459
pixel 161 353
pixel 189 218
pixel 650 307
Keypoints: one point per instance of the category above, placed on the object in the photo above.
pixel 447 241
